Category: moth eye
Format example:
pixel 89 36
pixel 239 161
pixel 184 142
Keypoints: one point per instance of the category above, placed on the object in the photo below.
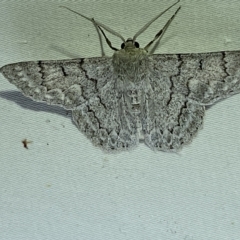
pixel 136 44
pixel 123 45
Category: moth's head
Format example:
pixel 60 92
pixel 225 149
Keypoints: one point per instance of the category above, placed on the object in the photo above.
pixel 129 44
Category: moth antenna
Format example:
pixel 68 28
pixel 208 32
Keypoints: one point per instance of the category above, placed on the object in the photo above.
pixel 151 21
pixel 162 31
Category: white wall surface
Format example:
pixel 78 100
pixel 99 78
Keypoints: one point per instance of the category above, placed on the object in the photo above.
pixel 63 187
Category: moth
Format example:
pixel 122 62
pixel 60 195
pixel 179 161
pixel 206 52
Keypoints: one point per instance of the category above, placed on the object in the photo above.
pixel 133 96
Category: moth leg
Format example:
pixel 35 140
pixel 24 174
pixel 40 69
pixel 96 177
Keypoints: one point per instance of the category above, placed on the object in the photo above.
pixel 107 40
pixel 98 24
pixel 162 31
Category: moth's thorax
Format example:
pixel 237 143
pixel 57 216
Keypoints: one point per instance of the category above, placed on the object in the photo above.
pixel 129 55
pixel 130 60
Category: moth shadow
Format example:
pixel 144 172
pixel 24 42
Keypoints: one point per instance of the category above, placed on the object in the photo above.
pixel 28 103
pixel 64 52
